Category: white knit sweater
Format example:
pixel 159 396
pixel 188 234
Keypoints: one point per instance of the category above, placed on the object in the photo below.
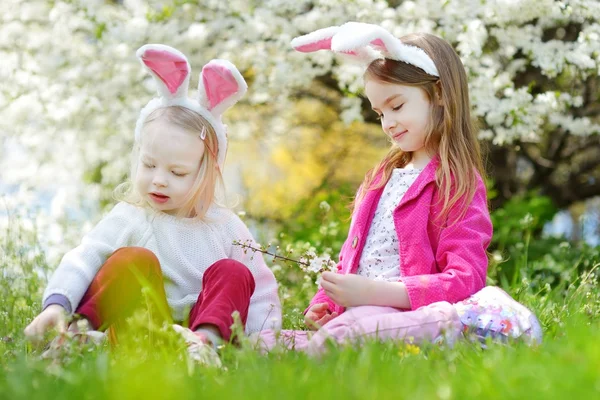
pixel 185 249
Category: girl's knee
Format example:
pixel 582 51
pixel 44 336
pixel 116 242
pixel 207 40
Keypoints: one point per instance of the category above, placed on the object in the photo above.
pixel 233 270
pixel 141 258
pixel 338 328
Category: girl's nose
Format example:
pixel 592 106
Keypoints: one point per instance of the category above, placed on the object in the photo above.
pixel 388 123
pixel 159 180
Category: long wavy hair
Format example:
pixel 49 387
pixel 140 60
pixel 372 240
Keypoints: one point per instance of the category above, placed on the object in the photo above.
pixel 451 134
pixel 203 192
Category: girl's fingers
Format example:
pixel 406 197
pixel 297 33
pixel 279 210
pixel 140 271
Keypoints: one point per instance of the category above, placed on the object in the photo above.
pixel 29 330
pixel 328 276
pixel 332 295
pixel 61 324
pixel 327 286
pixel 319 307
pixel 310 323
pixel 327 318
pixel 34 330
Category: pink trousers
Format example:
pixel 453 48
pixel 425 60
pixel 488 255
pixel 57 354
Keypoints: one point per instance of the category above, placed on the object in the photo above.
pixel 432 323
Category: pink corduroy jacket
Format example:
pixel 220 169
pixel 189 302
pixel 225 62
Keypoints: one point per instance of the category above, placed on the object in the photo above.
pixel 438 261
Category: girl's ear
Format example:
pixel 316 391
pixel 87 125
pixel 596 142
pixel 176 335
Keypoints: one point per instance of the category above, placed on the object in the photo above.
pixel 169 67
pixel 438 93
pixel 221 86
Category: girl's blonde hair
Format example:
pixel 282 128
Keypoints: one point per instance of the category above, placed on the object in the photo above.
pixel 203 191
pixel 451 132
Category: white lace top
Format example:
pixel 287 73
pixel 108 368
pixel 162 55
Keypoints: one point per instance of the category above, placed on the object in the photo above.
pixel 380 259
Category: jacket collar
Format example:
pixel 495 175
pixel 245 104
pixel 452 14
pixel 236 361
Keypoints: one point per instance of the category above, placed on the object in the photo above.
pixel 425 178
pixel 367 207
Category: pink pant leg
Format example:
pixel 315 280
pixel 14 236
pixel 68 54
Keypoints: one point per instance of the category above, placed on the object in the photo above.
pixel 267 340
pixel 427 323
pixel 384 323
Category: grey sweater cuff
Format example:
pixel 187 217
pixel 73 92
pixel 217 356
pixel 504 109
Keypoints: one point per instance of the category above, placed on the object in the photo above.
pixel 60 300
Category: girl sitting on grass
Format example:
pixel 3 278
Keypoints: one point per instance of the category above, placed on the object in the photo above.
pixel 414 264
pixel 168 233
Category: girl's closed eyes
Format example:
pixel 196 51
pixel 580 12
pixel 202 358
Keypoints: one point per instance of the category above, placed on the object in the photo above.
pixel 397 108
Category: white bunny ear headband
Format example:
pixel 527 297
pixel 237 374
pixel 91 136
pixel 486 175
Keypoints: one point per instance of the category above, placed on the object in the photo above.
pixel 221 86
pixel 364 43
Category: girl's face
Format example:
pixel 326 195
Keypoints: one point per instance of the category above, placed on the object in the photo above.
pixel 405 112
pixel 168 165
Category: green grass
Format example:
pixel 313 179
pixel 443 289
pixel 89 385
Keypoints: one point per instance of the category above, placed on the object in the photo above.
pixel 565 365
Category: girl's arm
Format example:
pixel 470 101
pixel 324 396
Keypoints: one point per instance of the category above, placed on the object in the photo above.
pixel 79 266
pixel 461 257
pixel 264 311
pixel 351 290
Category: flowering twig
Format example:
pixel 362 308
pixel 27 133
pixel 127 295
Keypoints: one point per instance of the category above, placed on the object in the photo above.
pixel 309 262
pixel 261 250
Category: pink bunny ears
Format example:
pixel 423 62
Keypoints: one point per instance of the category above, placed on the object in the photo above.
pixel 221 86
pixel 365 43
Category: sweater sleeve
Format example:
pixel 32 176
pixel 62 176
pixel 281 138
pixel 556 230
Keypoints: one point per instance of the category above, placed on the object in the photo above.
pixel 122 226
pixel 461 257
pixel 264 311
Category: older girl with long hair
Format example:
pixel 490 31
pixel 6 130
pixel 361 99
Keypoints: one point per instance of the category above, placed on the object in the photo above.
pixel 420 226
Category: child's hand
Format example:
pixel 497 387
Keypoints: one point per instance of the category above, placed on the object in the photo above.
pixel 347 290
pixel 54 316
pixel 318 315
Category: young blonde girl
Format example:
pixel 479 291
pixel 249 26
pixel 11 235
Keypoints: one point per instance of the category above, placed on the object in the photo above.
pixel 168 232
pixel 420 225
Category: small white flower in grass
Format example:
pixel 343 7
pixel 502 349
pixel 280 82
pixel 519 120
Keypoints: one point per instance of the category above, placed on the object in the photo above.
pixel 497 256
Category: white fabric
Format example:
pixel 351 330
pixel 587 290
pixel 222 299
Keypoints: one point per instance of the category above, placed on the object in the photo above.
pixel 380 258
pixel 186 248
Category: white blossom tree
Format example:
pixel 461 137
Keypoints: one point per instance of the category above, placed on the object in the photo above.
pixel 71 87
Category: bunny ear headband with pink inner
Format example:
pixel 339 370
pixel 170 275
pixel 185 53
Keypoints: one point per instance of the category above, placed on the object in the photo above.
pixel 221 86
pixel 364 43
